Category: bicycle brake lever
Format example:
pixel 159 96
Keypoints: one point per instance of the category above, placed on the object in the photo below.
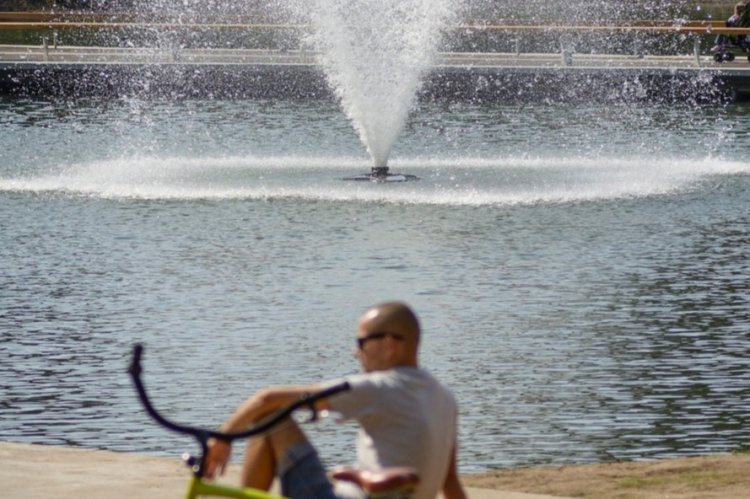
pixel 313 413
pixel 190 461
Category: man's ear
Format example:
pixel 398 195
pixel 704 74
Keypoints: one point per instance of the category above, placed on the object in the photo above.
pixel 393 349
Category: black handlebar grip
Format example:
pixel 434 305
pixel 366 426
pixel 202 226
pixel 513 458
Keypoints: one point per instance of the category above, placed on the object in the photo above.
pixel 135 364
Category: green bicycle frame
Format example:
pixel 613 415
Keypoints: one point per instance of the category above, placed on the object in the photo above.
pixel 198 487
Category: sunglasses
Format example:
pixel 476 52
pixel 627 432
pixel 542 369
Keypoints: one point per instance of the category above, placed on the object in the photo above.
pixel 361 342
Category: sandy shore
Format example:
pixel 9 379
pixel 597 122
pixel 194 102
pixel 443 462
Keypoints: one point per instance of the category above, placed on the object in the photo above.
pixel 39 471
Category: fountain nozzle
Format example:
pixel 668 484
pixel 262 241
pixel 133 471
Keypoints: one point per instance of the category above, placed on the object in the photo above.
pixel 379 171
pixel 381 174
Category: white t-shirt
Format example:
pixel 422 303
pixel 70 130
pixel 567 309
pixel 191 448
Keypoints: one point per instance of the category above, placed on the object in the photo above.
pixel 407 418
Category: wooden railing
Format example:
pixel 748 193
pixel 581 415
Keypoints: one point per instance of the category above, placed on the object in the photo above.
pixel 80 20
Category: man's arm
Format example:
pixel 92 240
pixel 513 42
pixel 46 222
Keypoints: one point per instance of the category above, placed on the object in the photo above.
pixel 254 409
pixel 267 401
pixel 452 488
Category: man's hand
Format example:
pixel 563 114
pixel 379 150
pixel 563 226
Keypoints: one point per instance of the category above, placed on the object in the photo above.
pixel 217 458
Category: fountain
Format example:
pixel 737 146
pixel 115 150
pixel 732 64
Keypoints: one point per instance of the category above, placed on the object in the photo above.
pixel 374 55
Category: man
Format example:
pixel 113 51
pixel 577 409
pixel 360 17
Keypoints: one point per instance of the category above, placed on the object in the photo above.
pixel 406 417
pixel 733 22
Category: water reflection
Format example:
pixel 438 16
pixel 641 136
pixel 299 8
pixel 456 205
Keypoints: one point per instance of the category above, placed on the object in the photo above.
pixel 686 367
pixel 575 331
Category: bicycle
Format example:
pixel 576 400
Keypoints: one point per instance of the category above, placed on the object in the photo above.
pixel 391 483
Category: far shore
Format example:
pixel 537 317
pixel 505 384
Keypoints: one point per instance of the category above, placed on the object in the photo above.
pixel 32 471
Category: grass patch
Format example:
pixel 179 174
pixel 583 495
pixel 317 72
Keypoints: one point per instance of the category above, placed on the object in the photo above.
pixel 693 480
pixel 639 482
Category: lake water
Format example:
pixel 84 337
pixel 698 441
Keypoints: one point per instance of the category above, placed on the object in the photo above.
pixel 581 272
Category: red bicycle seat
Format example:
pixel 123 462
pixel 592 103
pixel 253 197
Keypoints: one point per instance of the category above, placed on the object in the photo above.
pixel 396 479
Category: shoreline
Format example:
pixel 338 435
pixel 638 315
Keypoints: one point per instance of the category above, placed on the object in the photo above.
pixel 698 477
pixel 36 471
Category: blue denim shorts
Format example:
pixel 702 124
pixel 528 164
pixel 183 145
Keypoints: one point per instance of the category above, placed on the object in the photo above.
pixel 303 476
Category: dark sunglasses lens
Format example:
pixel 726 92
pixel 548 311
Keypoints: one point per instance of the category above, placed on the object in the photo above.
pixel 374 336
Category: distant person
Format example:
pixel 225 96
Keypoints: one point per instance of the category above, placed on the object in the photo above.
pixel 406 418
pixel 733 22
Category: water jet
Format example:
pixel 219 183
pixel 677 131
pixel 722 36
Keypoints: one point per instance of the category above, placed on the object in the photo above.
pixel 374 56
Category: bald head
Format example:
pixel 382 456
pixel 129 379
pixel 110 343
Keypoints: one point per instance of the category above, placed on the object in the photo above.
pixel 394 317
pixel 402 326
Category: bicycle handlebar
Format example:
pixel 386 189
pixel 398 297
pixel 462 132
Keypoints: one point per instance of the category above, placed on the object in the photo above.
pixel 202 434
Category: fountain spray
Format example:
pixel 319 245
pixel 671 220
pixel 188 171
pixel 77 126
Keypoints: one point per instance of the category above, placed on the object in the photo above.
pixel 375 54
